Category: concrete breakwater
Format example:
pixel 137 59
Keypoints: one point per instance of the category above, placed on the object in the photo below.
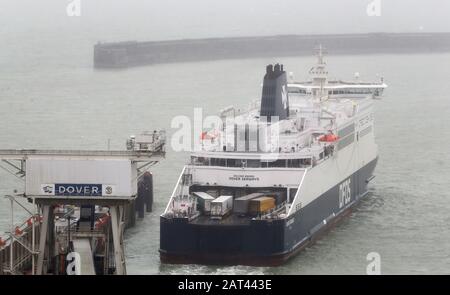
pixel 134 53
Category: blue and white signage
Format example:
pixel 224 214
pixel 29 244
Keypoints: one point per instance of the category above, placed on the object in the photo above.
pixel 77 189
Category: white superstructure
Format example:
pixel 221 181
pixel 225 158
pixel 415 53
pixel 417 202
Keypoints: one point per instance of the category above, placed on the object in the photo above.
pixel 325 139
pixel 311 155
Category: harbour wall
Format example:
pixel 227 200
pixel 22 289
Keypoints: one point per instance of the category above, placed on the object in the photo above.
pixel 134 53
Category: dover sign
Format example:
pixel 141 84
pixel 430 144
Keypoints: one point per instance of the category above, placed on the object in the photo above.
pixel 77 189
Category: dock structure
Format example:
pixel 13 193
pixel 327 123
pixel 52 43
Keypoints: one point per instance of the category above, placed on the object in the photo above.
pixel 81 203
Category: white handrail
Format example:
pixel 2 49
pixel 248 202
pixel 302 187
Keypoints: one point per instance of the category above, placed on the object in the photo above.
pixel 298 192
pixel 174 191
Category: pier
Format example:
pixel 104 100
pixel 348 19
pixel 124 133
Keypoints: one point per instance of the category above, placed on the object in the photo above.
pixel 82 202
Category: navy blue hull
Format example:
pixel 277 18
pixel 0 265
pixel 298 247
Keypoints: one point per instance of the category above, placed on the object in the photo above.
pixel 258 242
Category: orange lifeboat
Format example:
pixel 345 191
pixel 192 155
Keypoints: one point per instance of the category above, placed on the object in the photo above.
pixel 206 135
pixel 330 137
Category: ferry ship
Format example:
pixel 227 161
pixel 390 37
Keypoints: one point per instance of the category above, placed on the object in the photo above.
pixel 268 181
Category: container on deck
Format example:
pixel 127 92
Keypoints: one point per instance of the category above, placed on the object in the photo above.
pixel 204 202
pixel 221 206
pixel 240 205
pixel 261 205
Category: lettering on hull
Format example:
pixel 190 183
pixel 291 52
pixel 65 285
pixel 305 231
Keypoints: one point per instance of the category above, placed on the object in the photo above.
pixel 345 193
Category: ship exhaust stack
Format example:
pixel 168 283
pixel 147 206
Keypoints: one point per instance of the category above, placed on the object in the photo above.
pixel 275 99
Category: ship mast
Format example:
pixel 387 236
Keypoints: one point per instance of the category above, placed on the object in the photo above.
pixel 319 74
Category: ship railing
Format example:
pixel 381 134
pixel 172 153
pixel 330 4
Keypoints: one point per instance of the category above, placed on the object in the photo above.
pixel 74 228
pixel 24 227
pixel 177 191
pixel 274 212
pixel 147 142
pixel 81 233
pixel 21 243
pixel 185 206
pixel 95 153
pixel 297 195
pixel 184 214
pixel 330 153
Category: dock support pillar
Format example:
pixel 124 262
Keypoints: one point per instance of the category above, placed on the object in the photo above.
pixel 117 226
pixel 1 263
pixel 148 178
pixel 130 214
pixel 45 235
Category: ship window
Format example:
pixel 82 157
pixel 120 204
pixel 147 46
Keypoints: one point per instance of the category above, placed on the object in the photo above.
pixel 234 163
pixel 294 163
pixel 253 163
pixel 346 130
pixel 218 162
pixel 346 141
pixel 293 90
pixel 365 131
pixel 200 161
pixel 277 163
pixel 292 193
pixel 305 162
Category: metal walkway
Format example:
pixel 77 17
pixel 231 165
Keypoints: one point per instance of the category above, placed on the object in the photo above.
pixel 134 155
pixel 83 248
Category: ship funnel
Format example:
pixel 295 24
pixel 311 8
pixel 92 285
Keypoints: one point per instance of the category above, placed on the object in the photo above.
pixel 274 98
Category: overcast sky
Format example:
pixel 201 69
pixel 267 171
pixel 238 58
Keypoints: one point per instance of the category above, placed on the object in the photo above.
pixel 172 19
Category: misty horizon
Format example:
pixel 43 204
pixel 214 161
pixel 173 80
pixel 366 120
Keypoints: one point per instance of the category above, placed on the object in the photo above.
pixel 118 20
